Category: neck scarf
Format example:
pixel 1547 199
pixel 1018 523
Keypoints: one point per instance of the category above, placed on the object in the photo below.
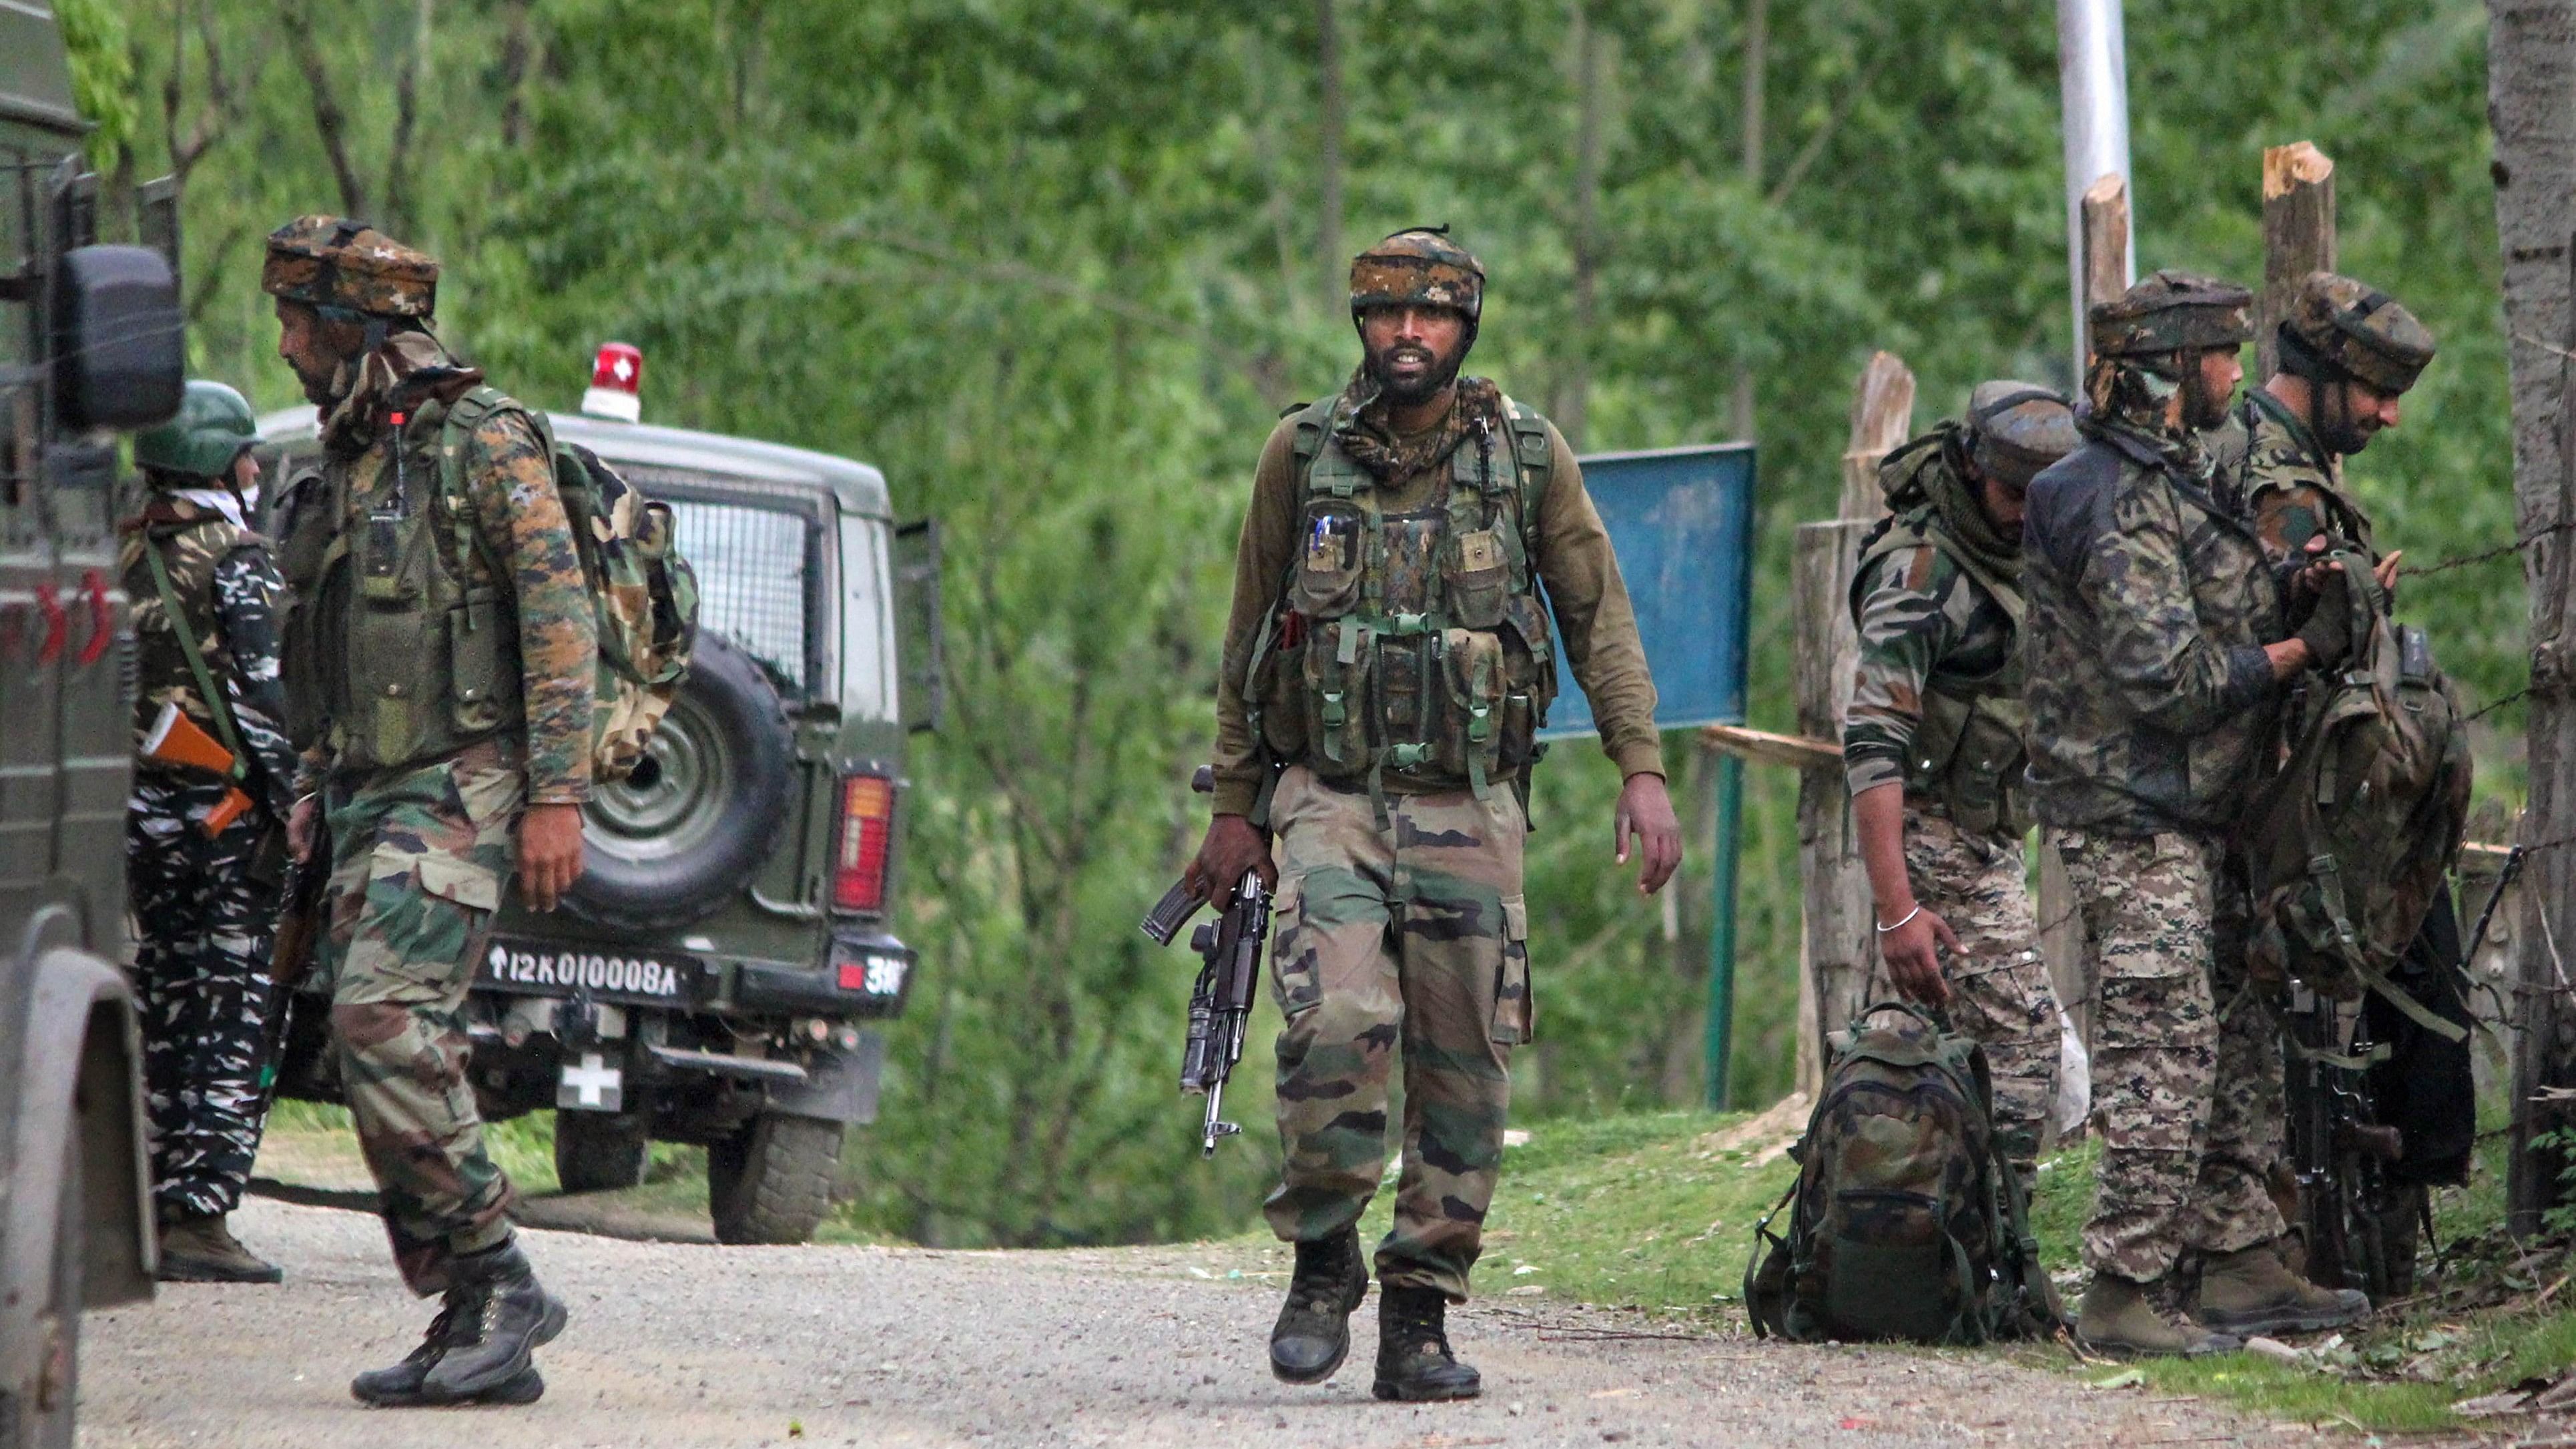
pixel 409 367
pixel 1392 457
pixel 2126 400
pixel 1962 513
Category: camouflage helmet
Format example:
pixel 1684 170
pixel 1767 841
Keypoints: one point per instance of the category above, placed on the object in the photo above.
pixel 333 262
pixel 2171 312
pixel 1418 267
pixel 2017 429
pixel 2338 327
pixel 213 426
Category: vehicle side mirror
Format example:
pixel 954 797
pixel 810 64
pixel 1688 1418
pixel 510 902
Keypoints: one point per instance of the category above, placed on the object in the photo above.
pixel 120 357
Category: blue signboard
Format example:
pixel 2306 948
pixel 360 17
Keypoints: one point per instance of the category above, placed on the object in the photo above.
pixel 1681 521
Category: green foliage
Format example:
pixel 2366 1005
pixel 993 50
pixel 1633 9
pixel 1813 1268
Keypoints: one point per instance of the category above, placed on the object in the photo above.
pixel 94 39
pixel 1056 264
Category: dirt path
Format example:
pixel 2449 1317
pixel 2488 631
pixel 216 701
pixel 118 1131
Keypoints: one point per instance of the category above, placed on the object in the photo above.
pixel 674 1344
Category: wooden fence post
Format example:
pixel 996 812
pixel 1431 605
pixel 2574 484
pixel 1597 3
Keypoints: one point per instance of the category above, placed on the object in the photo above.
pixel 1837 951
pixel 2298 238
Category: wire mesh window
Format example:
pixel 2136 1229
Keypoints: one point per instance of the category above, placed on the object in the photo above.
pixel 752 574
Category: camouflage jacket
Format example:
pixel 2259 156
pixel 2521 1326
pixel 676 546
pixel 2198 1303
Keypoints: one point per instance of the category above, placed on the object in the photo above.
pixel 229 596
pixel 2271 468
pixel 2151 700
pixel 1934 641
pixel 521 543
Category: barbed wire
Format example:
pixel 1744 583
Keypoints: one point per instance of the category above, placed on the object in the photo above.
pixel 2491 706
pixel 2501 551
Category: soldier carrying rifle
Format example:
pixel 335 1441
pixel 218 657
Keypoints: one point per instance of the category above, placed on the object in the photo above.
pixel 1388 653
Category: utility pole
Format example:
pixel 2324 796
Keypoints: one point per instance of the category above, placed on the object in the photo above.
pixel 2531 107
pixel 2093 93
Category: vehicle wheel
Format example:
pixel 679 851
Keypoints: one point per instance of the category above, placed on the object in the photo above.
pixel 42 1413
pixel 771 1182
pixel 600 1151
pixel 704 811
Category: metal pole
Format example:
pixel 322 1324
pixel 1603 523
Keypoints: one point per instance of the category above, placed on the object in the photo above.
pixel 2093 91
pixel 1721 963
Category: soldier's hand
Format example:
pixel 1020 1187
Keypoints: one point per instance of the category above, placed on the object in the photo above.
pixel 301 820
pixel 549 853
pixel 1913 963
pixel 1646 813
pixel 2386 573
pixel 1232 847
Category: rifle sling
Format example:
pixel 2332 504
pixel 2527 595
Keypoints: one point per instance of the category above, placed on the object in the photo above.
pixel 217 704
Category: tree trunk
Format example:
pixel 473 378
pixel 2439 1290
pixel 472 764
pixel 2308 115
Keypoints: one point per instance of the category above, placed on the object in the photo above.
pixel 1757 64
pixel 1839 948
pixel 1328 144
pixel 2531 106
pixel 2298 238
pixel 1573 392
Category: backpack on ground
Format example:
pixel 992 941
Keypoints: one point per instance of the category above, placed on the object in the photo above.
pixel 643 594
pixel 1904 1224
pixel 2348 846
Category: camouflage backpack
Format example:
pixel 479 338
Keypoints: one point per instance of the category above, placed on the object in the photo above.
pixel 1905 1224
pixel 643 593
pixel 2348 844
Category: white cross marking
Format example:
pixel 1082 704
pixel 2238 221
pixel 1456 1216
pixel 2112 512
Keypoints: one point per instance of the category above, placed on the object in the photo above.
pixel 593 1080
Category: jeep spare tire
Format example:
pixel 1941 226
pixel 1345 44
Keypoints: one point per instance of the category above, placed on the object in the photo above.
pixel 703 811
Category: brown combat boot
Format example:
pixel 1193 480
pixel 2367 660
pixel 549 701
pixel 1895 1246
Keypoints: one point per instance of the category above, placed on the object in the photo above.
pixel 2250 1291
pixel 2119 1320
pixel 200 1248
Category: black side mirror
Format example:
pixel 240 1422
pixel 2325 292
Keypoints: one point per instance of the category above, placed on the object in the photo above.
pixel 120 358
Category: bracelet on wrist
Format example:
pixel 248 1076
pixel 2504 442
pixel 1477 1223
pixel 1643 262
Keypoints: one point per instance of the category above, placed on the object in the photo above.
pixel 1900 921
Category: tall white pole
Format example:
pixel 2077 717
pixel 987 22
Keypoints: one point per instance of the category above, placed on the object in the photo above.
pixel 2093 90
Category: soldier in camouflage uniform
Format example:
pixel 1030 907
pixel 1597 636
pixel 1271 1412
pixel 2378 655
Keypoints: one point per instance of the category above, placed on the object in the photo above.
pixel 1932 741
pixel 1386 666
pixel 2156 660
pixel 203 846
pixel 440 657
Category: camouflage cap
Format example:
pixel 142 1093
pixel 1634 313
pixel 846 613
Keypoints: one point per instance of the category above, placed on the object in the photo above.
pixel 2017 429
pixel 1421 267
pixel 2356 330
pixel 2171 312
pixel 330 261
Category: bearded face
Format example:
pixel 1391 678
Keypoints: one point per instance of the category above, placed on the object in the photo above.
pixel 2350 413
pixel 2208 386
pixel 1413 352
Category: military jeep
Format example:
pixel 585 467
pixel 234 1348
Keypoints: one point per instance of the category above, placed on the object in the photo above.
pixel 712 976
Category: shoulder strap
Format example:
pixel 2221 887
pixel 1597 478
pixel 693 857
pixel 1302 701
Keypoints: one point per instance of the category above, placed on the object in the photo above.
pixel 455 429
pixel 1314 423
pixel 217 703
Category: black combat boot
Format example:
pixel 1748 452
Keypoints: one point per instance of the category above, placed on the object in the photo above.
pixel 399 1386
pixel 1313 1334
pixel 501 1315
pixel 1413 1358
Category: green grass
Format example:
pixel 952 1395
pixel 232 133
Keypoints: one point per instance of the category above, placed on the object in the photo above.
pixel 1639 1211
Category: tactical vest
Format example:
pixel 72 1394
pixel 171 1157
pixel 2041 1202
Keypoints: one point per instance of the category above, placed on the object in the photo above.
pixel 190 549
pixel 1410 645
pixel 401 643
pixel 1967 754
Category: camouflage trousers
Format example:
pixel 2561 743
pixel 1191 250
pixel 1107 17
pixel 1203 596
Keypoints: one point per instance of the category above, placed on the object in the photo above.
pixel 2000 995
pixel 201 985
pixel 419 858
pixel 1410 938
pixel 2186 1054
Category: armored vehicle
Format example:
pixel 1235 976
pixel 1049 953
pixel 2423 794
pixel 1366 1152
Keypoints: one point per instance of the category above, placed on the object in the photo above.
pixel 713 975
pixel 89 343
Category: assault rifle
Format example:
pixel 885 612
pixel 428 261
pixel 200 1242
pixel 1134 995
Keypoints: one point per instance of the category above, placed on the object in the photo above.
pixel 1229 949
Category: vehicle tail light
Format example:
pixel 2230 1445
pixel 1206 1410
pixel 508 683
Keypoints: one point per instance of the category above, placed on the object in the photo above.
pixel 865 841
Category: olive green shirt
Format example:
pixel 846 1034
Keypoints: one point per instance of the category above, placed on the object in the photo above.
pixel 1573 561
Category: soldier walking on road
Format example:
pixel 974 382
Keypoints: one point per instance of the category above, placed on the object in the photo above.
pixel 2156 662
pixel 204 875
pixel 1388 653
pixel 1932 742
pixel 440 661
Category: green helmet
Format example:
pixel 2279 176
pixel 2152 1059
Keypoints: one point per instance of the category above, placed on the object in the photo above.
pixel 214 425
pixel 2171 312
pixel 1421 267
pixel 2338 328
pixel 2017 429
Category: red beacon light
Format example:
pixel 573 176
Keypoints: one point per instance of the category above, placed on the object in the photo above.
pixel 616 383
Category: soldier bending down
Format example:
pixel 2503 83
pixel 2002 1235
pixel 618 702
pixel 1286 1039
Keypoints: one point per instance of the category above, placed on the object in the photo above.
pixel 1388 648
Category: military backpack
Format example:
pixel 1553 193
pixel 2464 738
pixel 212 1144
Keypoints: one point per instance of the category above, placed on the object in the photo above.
pixel 1904 1222
pixel 643 594
pixel 2349 844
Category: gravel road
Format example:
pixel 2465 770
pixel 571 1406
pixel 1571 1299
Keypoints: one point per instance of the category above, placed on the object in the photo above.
pixel 682 1345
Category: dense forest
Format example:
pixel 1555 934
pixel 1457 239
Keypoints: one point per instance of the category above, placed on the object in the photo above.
pixel 1054 265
